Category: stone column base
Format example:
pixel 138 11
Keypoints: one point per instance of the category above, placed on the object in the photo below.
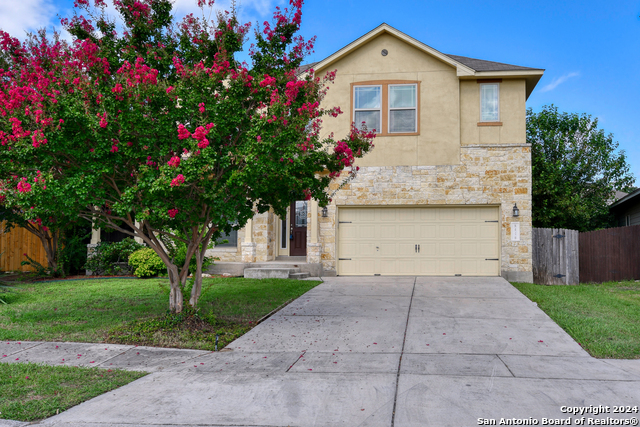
pixel 249 252
pixel 91 249
pixel 313 252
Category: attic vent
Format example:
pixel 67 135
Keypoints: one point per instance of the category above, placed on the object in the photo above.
pixel 385 52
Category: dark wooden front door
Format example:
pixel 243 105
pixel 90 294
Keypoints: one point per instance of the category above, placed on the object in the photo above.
pixel 298 232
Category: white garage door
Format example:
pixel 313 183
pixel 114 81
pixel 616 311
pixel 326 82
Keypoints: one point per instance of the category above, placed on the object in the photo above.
pixel 442 241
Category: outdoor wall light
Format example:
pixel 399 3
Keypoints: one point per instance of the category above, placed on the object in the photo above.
pixel 325 212
pixel 516 211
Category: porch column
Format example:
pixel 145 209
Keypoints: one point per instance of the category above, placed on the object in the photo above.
pixel 91 247
pixel 313 247
pixel 248 246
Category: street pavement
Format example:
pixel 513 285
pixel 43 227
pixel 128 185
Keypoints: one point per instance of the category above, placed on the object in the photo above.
pixel 365 351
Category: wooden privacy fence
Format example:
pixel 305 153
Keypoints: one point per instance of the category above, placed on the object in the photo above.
pixel 610 254
pixel 13 246
pixel 555 256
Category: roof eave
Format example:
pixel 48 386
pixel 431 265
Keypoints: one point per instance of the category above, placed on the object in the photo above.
pixel 461 69
pixel 532 77
pixel 625 199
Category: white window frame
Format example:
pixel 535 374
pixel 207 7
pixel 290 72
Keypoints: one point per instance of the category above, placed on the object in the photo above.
pixel 368 109
pixel 415 129
pixel 490 84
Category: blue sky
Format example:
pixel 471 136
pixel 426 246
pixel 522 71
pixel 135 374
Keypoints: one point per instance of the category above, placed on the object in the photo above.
pixel 590 49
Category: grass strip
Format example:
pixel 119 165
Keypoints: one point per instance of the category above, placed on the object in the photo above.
pixel 603 317
pixel 134 311
pixel 29 391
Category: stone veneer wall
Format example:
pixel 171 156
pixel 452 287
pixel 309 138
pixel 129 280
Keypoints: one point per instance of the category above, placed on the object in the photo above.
pixel 264 236
pixel 229 254
pixel 487 174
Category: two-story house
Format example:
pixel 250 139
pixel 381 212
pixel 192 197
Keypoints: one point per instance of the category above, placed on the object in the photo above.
pixel 447 188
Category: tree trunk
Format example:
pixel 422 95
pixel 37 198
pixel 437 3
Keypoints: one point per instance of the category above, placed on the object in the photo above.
pixel 175 296
pixel 196 290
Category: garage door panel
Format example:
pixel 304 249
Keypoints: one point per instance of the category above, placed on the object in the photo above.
pixel 488 231
pixel 388 249
pixel 452 240
pixel 366 231
pixel 388 215
pixel 446 249
pixel 445 214
pixel 406 249
pixel 367 249
pixel 488 214
pixel 389 231
pixel 406 214
pixel 488 268
pixel 447 267
pixel 447 231
pixel 406 231
pixel 389 266
pixel 348 231
pixel 468 231
pixel 428 267
pixel 428 249
pixel 407 266
pixel 469 249
pixel 467 266
pixel 428 214
pixel 428 231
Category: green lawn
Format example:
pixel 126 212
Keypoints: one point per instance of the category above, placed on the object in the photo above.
pixel 134 311
pixel 604 318
pixel 31 392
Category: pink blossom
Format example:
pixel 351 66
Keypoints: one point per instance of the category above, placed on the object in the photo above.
pixel 175 182
pixel 183 133
pixel 169 89
pixel 103 120
pixel 201 107
pixel 24 186
pixel 172 213
pixel 175 161
pixel 268 81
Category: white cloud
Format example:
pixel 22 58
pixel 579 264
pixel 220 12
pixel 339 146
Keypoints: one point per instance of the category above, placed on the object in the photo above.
pixel 558 81
pixel 18 16
pixel 248 10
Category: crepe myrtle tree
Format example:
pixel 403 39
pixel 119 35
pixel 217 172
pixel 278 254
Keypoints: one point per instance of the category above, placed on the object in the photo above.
pixel 158 126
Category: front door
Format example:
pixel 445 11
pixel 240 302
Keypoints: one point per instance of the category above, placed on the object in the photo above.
pixel 298 232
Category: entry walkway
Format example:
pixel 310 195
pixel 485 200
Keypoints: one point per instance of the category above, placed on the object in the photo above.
pixel 370 351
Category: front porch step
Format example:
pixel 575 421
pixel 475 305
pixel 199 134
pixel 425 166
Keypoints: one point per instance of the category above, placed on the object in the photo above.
pixel 296 259
pixel 270 273
pixel 299 276
pixel 238 268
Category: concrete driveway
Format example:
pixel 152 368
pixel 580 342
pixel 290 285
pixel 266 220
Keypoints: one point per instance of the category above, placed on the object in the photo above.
pixel 381 351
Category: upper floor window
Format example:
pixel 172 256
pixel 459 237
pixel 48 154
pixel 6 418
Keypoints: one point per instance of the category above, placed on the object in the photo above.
pixel 490 102
pixel 389 107
pixel 368 106
pixel 403 109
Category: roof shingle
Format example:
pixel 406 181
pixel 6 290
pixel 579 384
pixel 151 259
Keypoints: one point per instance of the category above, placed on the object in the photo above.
pixel 482 65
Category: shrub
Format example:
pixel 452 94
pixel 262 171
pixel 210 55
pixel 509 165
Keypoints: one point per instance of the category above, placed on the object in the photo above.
pixel 146 263
pixel 106 254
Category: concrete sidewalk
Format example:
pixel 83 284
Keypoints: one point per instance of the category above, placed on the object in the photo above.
pixel 365 351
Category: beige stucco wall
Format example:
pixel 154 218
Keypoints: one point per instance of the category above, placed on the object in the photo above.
pixel 512 114
pixel 439 140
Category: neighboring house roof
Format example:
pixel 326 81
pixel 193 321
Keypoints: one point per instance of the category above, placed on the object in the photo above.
pixel 466 68
pixel 633 196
